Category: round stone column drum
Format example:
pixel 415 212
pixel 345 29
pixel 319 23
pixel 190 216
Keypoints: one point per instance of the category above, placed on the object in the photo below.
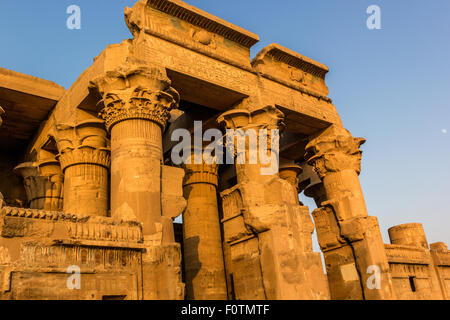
pixel 410 234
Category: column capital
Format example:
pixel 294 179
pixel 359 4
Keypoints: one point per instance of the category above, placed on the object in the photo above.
pixel 135 92
pixel 333 150
pixel 290 171
pixel 83 143
pixel 200 172
pixel 85 155
pixel 43 182
pixel 267 117
pixel 247 124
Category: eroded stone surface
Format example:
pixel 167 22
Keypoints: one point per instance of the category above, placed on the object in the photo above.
pixel 90 186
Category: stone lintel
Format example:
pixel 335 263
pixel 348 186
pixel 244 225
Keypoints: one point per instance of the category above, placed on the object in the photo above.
pixel 26 101
pixel 205 20
pixel 30 85
pixel 285 65
pixel 293 59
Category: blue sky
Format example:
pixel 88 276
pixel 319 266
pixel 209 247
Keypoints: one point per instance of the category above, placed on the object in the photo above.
pixel 390 86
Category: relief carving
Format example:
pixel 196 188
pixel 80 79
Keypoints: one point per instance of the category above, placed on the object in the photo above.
pixel 335 149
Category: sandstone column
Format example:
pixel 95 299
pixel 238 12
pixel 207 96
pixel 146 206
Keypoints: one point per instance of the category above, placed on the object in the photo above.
pixel 51 169
pixel 137 103
pixel 350 239
pixel 271 259
pixel 410 234
pixel 289 171
pixel 203 253
pixel 85 159
pixel 43 183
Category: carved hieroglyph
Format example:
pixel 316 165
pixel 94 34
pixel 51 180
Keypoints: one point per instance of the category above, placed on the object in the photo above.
pixel 269 240
pixel 350 239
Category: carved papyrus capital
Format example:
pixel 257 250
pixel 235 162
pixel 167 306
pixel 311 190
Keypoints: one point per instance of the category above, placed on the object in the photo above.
pixel 251 126
pixel 43 183
pixel 135 92
pixel 83 143
pixel 334 150
pixel 201 173
pixel 268 117
pixel 205 172
pixel 290 171
pixel 85 155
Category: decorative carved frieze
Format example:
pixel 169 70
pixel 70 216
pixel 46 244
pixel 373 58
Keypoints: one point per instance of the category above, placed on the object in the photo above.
pixel 74 226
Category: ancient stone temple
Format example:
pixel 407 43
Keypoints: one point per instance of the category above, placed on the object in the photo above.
pixel 93 205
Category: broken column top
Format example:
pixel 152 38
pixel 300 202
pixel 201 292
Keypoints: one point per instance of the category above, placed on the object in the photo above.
pixel 411 234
